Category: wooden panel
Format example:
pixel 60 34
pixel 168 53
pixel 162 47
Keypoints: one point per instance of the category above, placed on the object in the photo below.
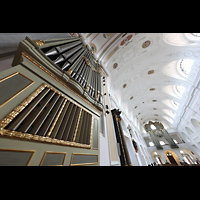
pixel 53 158
pixel 13 157
pixel 12 85
pixel 83 159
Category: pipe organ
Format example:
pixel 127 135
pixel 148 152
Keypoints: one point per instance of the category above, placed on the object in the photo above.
pixel 161 128
pixel 57 104
pixel 163 132
pixel 79 63
pixel 152 135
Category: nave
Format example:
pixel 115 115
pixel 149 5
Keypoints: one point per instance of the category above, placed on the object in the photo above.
pixel 100 99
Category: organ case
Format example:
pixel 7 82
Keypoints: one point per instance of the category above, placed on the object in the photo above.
pixel 60 106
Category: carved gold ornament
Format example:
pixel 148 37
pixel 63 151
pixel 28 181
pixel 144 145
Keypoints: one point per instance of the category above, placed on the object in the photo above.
pixel 26 136
pixel 39 42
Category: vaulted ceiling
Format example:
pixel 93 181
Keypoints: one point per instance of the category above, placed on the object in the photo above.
pixel 151 75
pixel 142 67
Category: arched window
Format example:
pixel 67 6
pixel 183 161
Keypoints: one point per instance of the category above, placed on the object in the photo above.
pixel 162 143
pixel 189 131
pixel 175 104
pixel 196 124
pixel 172 157
pixel 185 137
pixel 153 127
pixel 175 141
pixel 186 65
pixel 151 144
pixel 180 90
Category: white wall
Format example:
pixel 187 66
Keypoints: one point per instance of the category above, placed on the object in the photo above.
pixel 176 150
pixel 104 151
pixel 192 140
pixel 192 111
pixel 141 158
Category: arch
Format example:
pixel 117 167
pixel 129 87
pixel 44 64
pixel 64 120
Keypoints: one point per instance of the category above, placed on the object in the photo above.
pixel 185 66
pixel 155 154
pixel 176 39
pixel 185 137
pixel 196 124
pixel 189 131
pixel 174 155
pixel 192 155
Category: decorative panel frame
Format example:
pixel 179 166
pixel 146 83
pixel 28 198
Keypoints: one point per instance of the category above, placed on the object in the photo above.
pixel 25 151
pixel 53 152
pixel 26 136
pixel 10 76
pixel 84 163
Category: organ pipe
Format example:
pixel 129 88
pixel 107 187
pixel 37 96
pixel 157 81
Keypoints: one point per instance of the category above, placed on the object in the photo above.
pixel 77 61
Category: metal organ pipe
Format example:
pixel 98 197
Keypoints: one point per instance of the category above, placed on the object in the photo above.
pixel 80 64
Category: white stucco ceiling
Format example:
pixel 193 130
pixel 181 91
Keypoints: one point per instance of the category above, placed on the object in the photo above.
pixel 163 55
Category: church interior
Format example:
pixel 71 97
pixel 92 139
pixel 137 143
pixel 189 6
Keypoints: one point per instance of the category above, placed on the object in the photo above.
pixel 100 99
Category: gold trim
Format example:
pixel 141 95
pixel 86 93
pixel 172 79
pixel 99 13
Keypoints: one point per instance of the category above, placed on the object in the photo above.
pixel 26 136
pixel 89 35
pixel 56 119
pixel 18 150
pixel 69 71
pixel 175 156
pixel 39 42
pixel 6 120
pixel 92 67
pixel 87 88
pixel 87 154
pixel 77 125
pixel 53 152
pixel 10 76
pixel 102 53
pixel 58 80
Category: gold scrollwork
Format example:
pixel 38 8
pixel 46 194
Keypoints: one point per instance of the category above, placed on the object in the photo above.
pixel 10 133
pixel 39 42
pixel 92 67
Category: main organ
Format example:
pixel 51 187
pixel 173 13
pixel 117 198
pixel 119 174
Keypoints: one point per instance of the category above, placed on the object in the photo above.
pixel 51 106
